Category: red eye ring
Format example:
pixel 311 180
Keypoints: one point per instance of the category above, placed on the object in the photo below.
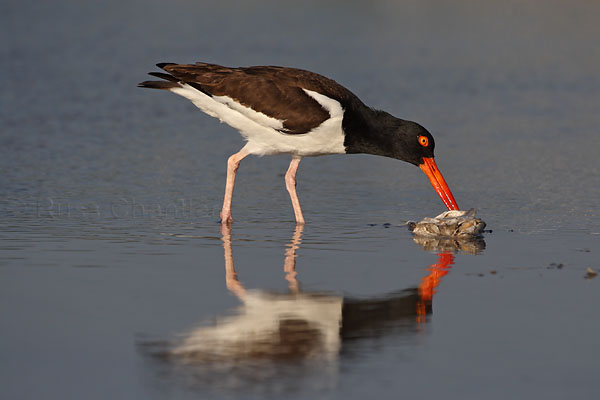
pixel 423 141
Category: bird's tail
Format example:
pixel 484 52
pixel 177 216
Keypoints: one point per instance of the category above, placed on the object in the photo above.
pixel 169 82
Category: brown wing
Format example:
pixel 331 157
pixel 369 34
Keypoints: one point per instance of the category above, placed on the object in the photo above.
pixel 274 91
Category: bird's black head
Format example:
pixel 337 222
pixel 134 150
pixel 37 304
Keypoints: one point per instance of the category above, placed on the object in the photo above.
pixel 411 142
pixel 414 144
pixel 382 134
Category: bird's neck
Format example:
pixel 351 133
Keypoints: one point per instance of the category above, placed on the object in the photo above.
pixel 370 132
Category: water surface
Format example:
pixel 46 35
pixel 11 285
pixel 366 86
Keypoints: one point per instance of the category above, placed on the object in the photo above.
pixel 112 260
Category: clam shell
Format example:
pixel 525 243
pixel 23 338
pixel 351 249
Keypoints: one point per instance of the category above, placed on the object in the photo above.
pixel 450 224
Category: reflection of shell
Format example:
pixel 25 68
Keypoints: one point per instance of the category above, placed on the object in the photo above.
pixel 469 245
pixel 450 224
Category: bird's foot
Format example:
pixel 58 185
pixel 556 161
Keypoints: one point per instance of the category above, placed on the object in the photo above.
pixel 226 218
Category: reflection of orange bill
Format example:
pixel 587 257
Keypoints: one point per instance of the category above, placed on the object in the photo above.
pixel 436 272
pixel 438 182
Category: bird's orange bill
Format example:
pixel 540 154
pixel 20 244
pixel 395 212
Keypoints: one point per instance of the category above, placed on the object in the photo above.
pixel 438 182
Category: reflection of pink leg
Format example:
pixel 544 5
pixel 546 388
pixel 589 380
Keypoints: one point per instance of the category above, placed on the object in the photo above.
pixel 290 184
pixel 289 265
pixel 233 163
pixel 230 275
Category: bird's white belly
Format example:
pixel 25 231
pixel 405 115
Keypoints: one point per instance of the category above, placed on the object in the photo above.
pixel 261 132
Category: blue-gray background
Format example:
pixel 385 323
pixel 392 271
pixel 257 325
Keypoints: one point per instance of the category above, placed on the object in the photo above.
pixel 109 194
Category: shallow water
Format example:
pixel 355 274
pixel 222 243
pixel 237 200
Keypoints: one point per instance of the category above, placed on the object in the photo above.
pixel 111 257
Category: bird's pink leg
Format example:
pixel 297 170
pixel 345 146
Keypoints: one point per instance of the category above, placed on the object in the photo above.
pixel 290 184
pixel 233 163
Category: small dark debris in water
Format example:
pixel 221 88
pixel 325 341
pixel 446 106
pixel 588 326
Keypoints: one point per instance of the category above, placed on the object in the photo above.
pixel 584 250
pixel 387 225
pixel 371 224
pixel 487 231
pixel 556 265
pixel 511 230
pixel 493 272
pixel 590 274
pixel 480 275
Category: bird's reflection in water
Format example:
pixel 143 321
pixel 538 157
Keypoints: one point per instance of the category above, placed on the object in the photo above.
pixel 298 333
pixel 268 326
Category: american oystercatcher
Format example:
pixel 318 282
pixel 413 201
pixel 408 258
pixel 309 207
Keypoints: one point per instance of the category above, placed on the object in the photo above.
pixel 282 110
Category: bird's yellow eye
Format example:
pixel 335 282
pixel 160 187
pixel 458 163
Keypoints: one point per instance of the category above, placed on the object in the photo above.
pixel 423 141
